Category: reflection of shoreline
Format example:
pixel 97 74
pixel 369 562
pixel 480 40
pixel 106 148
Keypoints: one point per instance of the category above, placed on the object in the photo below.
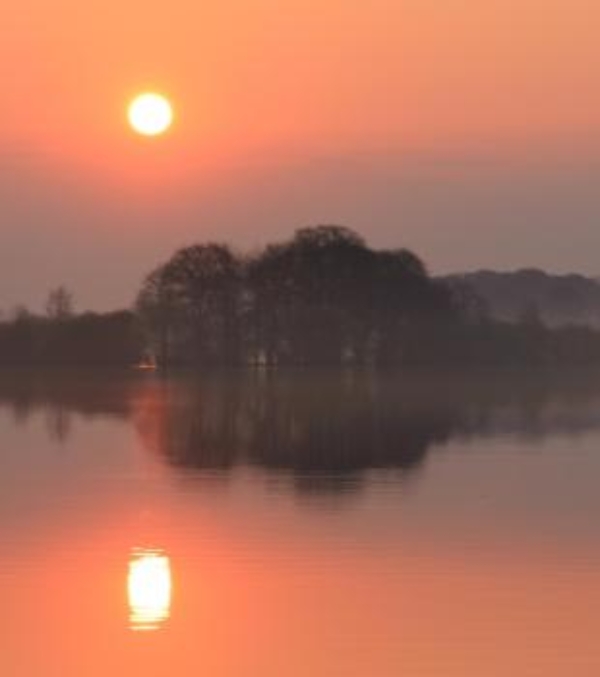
pixel 149 587
pixel 323 430
pixel 323 433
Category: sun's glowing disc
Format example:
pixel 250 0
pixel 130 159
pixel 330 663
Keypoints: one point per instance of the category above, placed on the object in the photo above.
pixel 150 114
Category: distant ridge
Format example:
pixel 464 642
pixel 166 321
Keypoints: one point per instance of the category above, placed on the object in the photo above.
pixel 558 300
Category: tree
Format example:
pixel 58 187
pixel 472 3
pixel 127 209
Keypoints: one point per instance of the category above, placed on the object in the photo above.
pixel 322 297
pixel 157 308
pixel 307 296
pixel 191 305
pixel 407 307
pixel 59 304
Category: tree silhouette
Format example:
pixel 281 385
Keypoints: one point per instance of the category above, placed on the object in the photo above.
pixel 321 298
pixel 59 304
pixel 191 305
pixel 308 296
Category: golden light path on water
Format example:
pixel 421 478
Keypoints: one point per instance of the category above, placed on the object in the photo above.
pixel 149 588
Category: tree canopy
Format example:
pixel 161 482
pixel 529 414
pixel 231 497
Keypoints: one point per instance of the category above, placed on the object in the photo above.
pixel 322 297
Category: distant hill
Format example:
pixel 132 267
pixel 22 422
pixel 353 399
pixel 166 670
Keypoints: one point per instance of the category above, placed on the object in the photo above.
pixel 558 299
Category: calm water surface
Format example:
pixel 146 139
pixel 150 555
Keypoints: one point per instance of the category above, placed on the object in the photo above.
pixel 300 525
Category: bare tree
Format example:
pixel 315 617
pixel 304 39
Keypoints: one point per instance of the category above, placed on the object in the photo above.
pixel 59 304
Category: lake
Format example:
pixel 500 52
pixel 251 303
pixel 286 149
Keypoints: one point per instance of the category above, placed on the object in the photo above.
pixel 300 525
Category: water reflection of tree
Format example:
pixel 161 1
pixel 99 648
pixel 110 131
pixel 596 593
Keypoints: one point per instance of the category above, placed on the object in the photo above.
pixel 324 431
pixel 59 394
pixel 58 422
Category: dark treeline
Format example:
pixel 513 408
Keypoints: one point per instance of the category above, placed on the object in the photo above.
pixel 63 338
pixel 322 298
pixel 325 298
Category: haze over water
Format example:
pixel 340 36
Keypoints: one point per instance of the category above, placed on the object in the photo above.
pixel 299 525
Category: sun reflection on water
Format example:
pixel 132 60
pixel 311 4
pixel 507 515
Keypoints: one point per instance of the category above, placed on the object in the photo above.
pixel 149 587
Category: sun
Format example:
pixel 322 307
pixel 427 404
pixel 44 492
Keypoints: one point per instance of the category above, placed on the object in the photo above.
pixel 150 114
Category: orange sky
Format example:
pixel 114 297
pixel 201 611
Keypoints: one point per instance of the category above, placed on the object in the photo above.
pixel 276 88
pixel 256 73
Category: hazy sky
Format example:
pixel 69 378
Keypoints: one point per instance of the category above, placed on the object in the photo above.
pixel 467 130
